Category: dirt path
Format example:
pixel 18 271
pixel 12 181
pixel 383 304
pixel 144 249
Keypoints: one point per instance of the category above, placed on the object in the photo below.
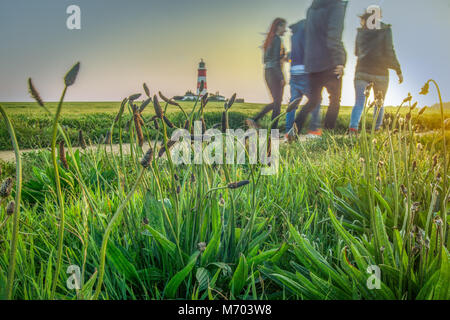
pixel 8 156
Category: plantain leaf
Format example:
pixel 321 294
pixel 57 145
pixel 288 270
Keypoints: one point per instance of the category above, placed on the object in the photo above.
pixel 172 287
pixel 240 275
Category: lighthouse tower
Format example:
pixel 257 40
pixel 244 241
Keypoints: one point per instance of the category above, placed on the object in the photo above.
pixel 201 78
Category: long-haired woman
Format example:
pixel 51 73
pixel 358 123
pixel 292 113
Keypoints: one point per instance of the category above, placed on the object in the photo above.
pixel 274 57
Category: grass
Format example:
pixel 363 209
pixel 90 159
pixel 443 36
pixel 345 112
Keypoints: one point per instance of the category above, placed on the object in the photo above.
pixel 33 125
pixel 139 227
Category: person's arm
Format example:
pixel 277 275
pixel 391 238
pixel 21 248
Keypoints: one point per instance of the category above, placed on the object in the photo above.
pixel 335 28
pixel 392 56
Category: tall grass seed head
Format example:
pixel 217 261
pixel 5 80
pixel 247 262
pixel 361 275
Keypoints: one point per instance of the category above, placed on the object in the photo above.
pixel 231 101
pixel 435 160
pixel 137 125
pixel 201 246
pixel 425 88
pixel 62 155
pixel 134 97
pixel 403 190
pixel 6 188
pixel 205 100
pixel 408 98
pixel 368 89
pixel 168 122
pixel 34 93
pixel 408 116
pixel 71 76
pixel 421 111
pixel 157 106
pixel 146 90
pixel 121 109
pixel 148 158
pixel 144 105
pixel 239 184
pixel 10 208
pixel 163 149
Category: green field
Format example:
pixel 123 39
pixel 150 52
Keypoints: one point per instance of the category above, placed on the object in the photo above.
pixel 33 123
pixel 345 217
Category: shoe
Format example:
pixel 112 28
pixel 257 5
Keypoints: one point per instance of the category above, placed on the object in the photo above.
pixel 252 124
pixel 352 132
pixel 317 133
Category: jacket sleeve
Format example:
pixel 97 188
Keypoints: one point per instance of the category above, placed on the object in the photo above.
pixel 390 53
pixel 334 33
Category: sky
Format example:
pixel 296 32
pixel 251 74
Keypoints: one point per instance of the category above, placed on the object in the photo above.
pixel 123 43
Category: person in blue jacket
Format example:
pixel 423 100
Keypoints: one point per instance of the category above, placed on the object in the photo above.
pixel 299 81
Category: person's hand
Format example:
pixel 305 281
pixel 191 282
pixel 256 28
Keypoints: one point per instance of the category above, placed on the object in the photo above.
pixel 339 71
pixel 400 78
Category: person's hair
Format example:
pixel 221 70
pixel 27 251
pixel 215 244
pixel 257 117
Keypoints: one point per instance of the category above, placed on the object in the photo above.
pixel 272 32
pixel 365 16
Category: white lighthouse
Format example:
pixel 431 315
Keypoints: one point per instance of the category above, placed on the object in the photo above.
pixel 201 78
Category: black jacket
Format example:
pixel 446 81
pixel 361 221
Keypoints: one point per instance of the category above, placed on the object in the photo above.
pixel 375 51
pixel 272 56
pixel 324 26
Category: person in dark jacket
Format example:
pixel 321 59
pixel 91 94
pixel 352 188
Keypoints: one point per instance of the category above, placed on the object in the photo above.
pixel 375 51
pixel 299 81
pixel 325 57
pixel 274 57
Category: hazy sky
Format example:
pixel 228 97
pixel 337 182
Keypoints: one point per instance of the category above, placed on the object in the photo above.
pixel 123 43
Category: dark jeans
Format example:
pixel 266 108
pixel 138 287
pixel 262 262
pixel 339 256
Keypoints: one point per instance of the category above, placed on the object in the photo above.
pixel 274 78
pixel 326 79
pixel 300 87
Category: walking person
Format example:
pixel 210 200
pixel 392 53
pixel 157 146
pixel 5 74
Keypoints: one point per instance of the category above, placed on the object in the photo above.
pixel 299 80
pixel 325 58
pixel 375 51
pixel 274 57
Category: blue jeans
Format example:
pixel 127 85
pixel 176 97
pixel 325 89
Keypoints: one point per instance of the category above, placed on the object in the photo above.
pixel 300 87
pixel 362 80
